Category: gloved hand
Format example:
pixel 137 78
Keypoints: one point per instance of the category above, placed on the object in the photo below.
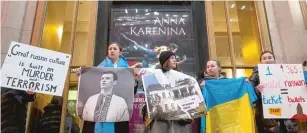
pixel 184 122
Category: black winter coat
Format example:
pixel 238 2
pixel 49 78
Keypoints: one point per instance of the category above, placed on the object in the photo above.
pixel 14 110
pixel 51 119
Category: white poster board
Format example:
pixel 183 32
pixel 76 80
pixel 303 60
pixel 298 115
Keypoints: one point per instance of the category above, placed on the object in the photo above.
pixel 26 66
pixel 284 93
pixel 172 97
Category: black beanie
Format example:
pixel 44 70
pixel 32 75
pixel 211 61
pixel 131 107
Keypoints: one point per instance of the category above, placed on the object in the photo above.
pixel 164 56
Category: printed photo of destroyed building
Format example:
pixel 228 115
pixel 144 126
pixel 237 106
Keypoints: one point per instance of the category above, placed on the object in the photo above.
pixel 162 101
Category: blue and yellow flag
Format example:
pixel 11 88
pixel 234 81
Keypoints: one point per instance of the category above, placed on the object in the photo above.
pixel 305 75
pixel 229 105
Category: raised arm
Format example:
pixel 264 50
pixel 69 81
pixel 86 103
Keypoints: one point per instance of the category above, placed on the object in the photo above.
pixel 184 59
pixel 139 47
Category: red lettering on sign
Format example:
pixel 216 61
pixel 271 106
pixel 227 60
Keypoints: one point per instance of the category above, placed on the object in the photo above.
pixel 293 83
pixel 272 84
pixel 296 99
pixel 292 70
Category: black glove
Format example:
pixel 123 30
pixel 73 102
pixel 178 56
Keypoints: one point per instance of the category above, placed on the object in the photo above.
pixel 184 122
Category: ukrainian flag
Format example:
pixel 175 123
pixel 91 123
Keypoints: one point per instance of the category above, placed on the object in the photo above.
pixel 305 75
pixel 229 105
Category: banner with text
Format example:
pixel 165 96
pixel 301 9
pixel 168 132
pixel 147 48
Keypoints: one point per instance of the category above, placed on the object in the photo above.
pixel 284 94
pixel 148 32
pixel 174 97
pixel 136 123
pixel 26 66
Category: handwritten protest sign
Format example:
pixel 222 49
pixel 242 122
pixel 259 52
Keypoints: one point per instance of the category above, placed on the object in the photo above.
pixel 174 97
pixel 284 94
pixel 27 67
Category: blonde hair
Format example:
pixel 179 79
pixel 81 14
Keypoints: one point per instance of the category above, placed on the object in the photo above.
pixel 161 49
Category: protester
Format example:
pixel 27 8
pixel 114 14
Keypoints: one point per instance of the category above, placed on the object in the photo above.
pixel 265 125
pixel 213 71
pixel 116 60
pixel 14 109
pixel 302 125
pixel 168 62
pixel 51 118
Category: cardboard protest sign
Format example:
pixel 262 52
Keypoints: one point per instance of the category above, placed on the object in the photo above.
pixel 172 97
pixel 284 94
pixel 26 66
pixel 105 94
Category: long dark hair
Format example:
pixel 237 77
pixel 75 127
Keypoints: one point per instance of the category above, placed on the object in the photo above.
pixel 118 45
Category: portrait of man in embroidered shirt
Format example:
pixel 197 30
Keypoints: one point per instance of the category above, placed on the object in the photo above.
pixel 106 106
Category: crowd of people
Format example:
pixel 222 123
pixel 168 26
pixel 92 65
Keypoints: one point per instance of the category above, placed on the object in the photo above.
pixel 167 61
pixel 16 100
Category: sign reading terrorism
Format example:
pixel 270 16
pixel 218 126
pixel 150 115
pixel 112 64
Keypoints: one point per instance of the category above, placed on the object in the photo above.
pixel 28 67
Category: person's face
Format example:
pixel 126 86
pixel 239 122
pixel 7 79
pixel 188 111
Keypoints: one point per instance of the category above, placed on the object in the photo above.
pixel 114 51
pixel 174 50
pixel 107 81
pixel 172 63
pixel 267 58
pixel 212 68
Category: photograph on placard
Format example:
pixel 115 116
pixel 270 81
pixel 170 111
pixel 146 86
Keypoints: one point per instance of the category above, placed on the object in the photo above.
pixel 175 98
pixel 105 94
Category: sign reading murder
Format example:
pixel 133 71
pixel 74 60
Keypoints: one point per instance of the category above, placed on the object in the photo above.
pixel 284 94
pixel 28 67
pixel 172 97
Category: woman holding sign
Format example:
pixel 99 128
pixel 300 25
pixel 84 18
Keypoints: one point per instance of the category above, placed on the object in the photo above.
pixel 264 125
pixel 114 59
pixel 168 62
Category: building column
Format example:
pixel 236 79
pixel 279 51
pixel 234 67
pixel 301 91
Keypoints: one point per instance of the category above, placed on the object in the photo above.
pixel 17 19
pixel 287 31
